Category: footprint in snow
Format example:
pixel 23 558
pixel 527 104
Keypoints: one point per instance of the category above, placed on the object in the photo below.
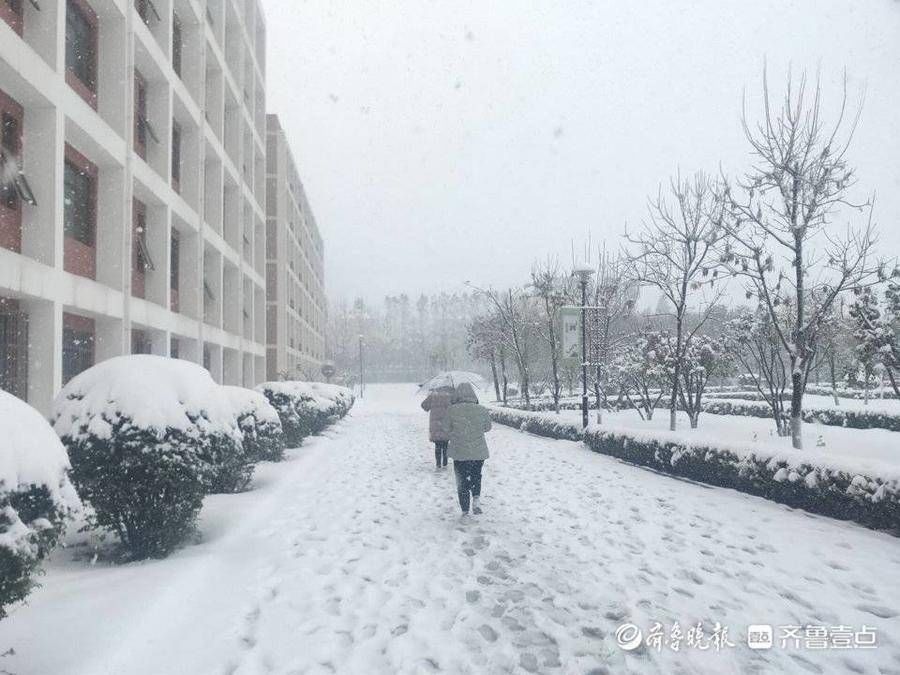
pixel 880 611
pixel 487 633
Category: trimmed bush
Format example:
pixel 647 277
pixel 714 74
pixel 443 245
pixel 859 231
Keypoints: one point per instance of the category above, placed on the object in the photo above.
pixel 148 437
pixel 263 437
pixel 726 405
pixel 795 481
pixel 36 497
pixel 306 408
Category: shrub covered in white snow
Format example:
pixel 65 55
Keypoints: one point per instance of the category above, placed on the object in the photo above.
pixel 788 477
pixel 260 427
pixel 306 408
pixel 148 437
pixel 36 497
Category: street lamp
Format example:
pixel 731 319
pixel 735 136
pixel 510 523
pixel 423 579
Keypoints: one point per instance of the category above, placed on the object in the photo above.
pixel 583 272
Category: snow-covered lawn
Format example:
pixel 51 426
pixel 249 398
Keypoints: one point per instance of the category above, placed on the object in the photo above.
pixel 351 557
pixel 874 452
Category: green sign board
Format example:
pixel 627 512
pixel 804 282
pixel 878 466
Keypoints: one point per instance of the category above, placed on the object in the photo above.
pixel 570 335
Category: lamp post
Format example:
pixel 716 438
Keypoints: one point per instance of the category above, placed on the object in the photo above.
pixel 583 272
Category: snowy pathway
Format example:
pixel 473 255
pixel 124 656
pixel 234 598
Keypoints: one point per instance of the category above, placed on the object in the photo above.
pixel 351 558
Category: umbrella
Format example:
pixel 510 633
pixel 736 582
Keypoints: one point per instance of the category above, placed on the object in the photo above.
pixel 451 378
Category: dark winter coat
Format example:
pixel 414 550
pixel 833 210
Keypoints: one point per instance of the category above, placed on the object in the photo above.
pixel 437 404
pixel 468 424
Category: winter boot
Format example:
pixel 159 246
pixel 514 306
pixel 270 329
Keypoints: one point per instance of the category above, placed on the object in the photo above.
pixel 476 505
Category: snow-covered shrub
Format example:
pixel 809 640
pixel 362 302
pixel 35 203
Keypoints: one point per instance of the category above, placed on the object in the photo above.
pixel 537 424
pixel 306 408
pixel 36 497
pixel 794 480
pixel 148 437
pixel 260 427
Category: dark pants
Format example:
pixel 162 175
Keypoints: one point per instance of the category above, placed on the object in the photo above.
pixel 468 479
pixel 440 453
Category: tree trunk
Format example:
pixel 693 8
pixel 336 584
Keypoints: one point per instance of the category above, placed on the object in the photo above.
pixel 503 376
pixel 832 369
pixel 679 336
pixel 695 419
pixel 494 375
pixel 890 374
pixel 797 409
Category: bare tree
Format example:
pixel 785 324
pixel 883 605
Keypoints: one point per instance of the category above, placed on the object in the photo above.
pixel 675 253
pixel 485 342
pixel 781 236
pixel 612 297
pixel 515 311
pixel 758 350
pixel 549 287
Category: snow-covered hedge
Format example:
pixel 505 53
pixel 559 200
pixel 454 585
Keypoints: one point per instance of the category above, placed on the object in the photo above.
pixel 794 480
pixel 539 425
pixel 148 437
pixel 306 408
pixel 835 417
pixel 719 405
pixel 263 438
pixel 36 497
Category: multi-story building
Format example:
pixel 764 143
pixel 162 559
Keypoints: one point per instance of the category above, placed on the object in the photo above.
pixel 295 269
pixel 133 187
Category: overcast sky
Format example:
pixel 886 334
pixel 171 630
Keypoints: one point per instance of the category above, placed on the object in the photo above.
pixel 442 141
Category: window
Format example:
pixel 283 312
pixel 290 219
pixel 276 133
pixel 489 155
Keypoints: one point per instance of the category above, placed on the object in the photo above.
pixel 78 345
pixel 13 348
pixel 174 270
pixel 146 10
pixel 173 347
pixel 141 261
pixel 11 11
pixel 142 127
pixel 13 186
pixel 140 342
pixel 177 43
pixel 81 49
pixel 79 213
pixel 79 204
pixel 176 156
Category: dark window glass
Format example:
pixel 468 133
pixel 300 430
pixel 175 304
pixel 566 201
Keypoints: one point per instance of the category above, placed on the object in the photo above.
pixel 176 44
pixel 79 205
pixel 140 112
pixel 176 253
pixel 10 135
pixel 81 49
pixel 78 352
pixel 176 153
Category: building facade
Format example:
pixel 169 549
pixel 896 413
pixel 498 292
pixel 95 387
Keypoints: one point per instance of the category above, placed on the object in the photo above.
pixel 132 187
pixel 295 268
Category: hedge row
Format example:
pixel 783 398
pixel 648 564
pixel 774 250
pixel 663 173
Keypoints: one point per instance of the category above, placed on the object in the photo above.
pixel 835 417
pixel 844 495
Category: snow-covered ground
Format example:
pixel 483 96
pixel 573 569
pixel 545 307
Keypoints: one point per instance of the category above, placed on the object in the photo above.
pixel 351 557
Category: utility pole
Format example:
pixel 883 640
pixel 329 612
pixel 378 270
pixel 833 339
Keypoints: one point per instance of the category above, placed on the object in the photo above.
pixel 584 271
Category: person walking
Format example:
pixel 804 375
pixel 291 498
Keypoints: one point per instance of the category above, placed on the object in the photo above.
pixel 437 405
pixel 468 449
